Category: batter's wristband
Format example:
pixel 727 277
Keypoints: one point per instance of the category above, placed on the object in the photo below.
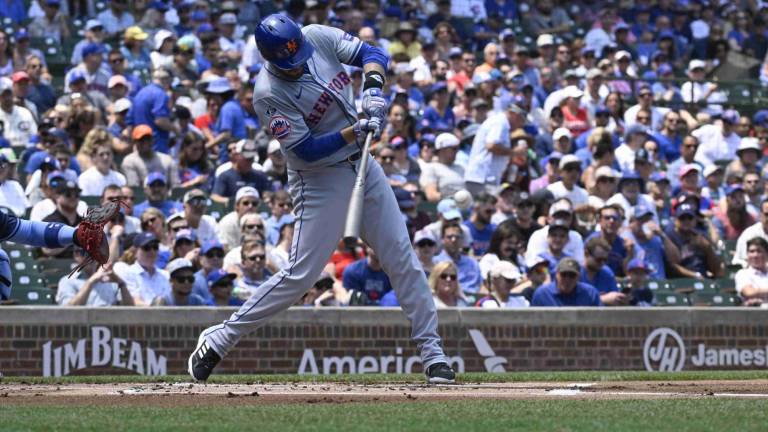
pixel 373 79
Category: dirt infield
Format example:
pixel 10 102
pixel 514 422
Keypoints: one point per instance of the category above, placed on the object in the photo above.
pixel 188 394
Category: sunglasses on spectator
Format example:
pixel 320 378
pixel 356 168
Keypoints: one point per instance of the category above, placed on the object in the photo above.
pixel 257 257
pixel 71 193
pixel 387 158
pixel 184 279
pixel 215 254
pixel 227 284
pixel 200 201
pixel 283 205
pixel 611 218
pixel 253 226
pixel 569 275
pixel 448 276
pixel 643 118
pixel 150 220
pixel 426 243
pixel 179 228
pixel 151 247
pixel 249 203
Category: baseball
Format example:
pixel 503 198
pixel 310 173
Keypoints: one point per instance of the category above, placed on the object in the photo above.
pixel 463 199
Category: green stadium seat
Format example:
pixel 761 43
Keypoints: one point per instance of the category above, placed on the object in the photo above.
pixel 726 285
pixel 657 284
pixel 52 269
pixel 33 296
pixel 701 298
pixel 685 285
pixel 671 298
pixel 91 200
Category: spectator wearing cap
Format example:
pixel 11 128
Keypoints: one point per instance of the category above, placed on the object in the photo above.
pixel 93 34
pixel 697 253
pixel 66 212
pixel 232 45
pixel 638 272
pixel 100 175
pixel 634 138
pixel 752 281
pixel 576 117
pixel 119 88
pixel 570 170
pixel 507 244
pixel 557 238
pixel 19 123
pixel 424 62
pixel 425 245
pixel 403 164
pixel 598 274
pixel 404 87
pixel 221 287
pixel 240 174
pixel 47 164
pixel 630 193
pixel 50 189
pixel 645 102
pixel 115 18
pixel 276 166
pixel 453 241
pixel 645 161
pixel 253 269
pixel 718 141
pixel 51 24
pixel 156 190
pixel 562 210
pixel 502 279
pixel 117 64
pixel 505 205
pixel 144 159
pixel 252 227
pixel 759 229
pixel 405 41
pixel 713 188
pixel 749 154
pixel 492 149
pixel 118 124
pixel 598 155
pixel 78 89
pixel 11 193
pixel 247 200
pixel 688 150
pixel 438 115
pixel 650 242
pixel 565 289
pixel 699 91
pixel 39 93
pixel 230 118
pixel 443 177
pixel 151 107
pixel 21 83
pixel 414 218
pixel 366 277
pixel 594 91
pixel 211 259
pixel 731 217
pixel 182 276
pixel 94 286
pixel 448 212
pixel 92 67
pixel 523 219
pixel 183 55
pixel 162 55
pixel 195 206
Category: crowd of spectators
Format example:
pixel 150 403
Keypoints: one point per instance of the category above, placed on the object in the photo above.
pixel 542 153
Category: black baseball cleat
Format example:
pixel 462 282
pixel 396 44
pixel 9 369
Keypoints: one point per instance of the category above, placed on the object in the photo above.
pixel 202 361
pixel 440 373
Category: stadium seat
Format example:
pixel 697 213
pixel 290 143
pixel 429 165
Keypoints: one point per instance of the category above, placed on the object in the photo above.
pixel 690 285
pixel 671 298
pixel 52 269
pixel 33 295
pixel 91 200
pixel 701 298
pixel 726 285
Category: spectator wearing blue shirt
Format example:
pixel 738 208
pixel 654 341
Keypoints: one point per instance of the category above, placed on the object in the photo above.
pixel 221 284
pixel 366 277
pixel 566 290
pixel 156 189
pixel 650 242
pixel 479 223
pixel 599 275
pixel 182 275
pixel 152 107
pixel 470 278
pixel 610 221
pixel 241 174
pixel 438 115
pixel 230 119
pixel 557 237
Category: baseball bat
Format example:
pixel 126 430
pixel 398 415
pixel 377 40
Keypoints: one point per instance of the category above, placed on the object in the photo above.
pixel 355 210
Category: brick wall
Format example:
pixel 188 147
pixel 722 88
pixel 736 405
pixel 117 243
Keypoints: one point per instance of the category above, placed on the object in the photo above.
pixel 526 340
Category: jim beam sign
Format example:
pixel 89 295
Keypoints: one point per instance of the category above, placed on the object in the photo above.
pixel 664 351
pixel 105 351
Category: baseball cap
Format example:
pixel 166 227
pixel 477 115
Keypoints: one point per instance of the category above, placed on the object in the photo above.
pixel 641 210
pixel 522 197
pixel 687 168
pixel 8 155
pixel 161 36
pixel 749 143
pixel 638 264
pixel 116 80
pixel 594 73
pixel 228 18
pixel 21 34
pixel 5 84
pixel 92 48
pixel 273 146
pixel 560 133
pixel 622 54
pixel 455 52
pixel 424 235
pixel 247 191
pixel 606 171
pixel 55 177
pixel 218 276
pixel 121 105
pixel 247 148
pixel 573 92
pixel 544 40
pixel 571 73
pixel 568 265
pixel 635 129
pixel 50 161
pixel 733 188
pixel 155 177
pixel 179 264
pixel 686 209
pixel 569 160
pixel 505 269
pixel 559 207
pixel 92 24
pixel 193 194
pixel 506 33
pixel 659 176
pixel 144 238
pixel 711 169
pixel 210 245
pixel 186 234
pixel 641 155
pixel 136 33
pixel 761 118
pixel 403 67
pixel 696 64
pixel 218 86
pixel 141 131
pixel 19 76
pixel 559 224
pixel 397 142
pixel 448 209
pixel 438 86
pixel 76 75
pixel 404 198
pixel 730 116
pixel 446 140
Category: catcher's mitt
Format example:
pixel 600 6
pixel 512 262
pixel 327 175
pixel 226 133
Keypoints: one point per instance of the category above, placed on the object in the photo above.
pixel 90 236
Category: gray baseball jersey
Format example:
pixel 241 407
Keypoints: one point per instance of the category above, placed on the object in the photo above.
pixel 318 103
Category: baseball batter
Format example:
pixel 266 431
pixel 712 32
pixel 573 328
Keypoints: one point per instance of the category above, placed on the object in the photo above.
pixel 304 95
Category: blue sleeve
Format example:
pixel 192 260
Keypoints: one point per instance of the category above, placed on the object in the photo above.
pixel 227 120
pixel 220 185
pixel 312 149
pixel 160 106
pixel 32 233
pixel 370 54
pixel 349 279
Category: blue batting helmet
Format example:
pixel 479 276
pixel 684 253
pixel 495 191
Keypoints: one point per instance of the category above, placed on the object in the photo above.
pixel 281 42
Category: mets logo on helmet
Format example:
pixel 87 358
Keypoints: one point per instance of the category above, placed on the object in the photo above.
pixel 292 46
pixel 279 126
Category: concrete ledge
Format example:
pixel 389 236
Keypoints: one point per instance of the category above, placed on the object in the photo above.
pixel 52 315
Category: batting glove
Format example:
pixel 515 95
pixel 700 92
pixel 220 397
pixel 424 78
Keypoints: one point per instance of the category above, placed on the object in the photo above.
pixel 363 126
pixel 374 104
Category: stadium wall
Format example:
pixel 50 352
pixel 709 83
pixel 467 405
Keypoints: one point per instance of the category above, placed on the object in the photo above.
pixel 55 341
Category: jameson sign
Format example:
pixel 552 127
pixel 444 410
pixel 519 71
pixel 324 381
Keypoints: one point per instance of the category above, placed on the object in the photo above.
pixel 664 351
pixel 106 351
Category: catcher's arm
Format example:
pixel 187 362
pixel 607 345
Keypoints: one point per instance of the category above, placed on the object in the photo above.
pixel 33 233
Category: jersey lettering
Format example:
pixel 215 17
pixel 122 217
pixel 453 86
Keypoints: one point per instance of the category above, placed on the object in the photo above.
pixel 324 101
